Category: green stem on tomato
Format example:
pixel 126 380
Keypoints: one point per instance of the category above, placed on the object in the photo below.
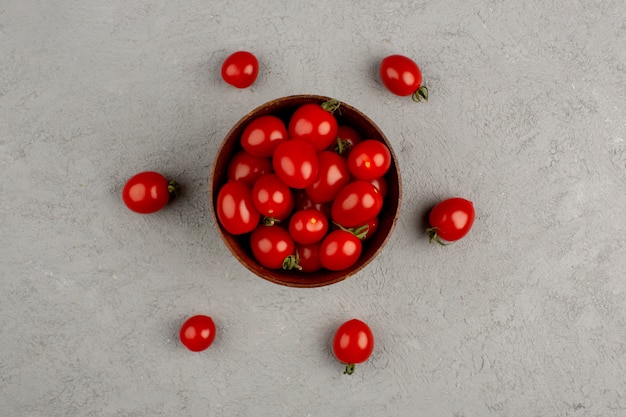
pixel 432 235
pixel 292 262
pixel 270 221
pixel 173 189
pixel 331 105
pixel 349 368
pixel 342 146
pixel 360 232
pixel 420 94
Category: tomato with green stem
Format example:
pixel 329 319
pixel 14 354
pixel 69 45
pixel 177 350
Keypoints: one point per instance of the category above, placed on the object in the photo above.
pixel 148 192
pixel 402 76
pixel 315 124
pixel 353 344
pixel 450 220
pixel 272 246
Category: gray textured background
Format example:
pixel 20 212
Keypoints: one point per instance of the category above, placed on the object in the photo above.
pixel 527 117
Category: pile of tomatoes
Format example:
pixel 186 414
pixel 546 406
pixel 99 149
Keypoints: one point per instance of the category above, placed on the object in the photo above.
pixel 307 189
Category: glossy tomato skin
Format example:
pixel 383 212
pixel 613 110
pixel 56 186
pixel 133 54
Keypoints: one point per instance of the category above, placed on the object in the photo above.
pixel 353 343
pixel 340 250
pixel 235 209
pixel 400 75
pixel 262 135
pixel 295 162
pixel 309 256
pixel 146 192
pixel 248 168
pixel 271 245
pixel 197 333
pixel 333 174
pixel 240 69
pixel 451 219
pixel 308 226
pixel 381 184
pixel 356 203
pixel 369 159
pixel 312 123
pixel 272 197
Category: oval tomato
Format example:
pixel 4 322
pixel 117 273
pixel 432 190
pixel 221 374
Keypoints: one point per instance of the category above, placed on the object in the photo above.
pixel 235 209
pixel 333 174
pixel 356 203
pixel 271 246
pixel 312 123
pixel 148 192
pixel 353 343
pixel 339 250
pixel 295 162
pixel 450 220
pixel 248 168
pixel 369 160
pixel 308 226
pixel 197 333
pixel 262 135
pixel 272 197
pixel 240 69
pixel 403 77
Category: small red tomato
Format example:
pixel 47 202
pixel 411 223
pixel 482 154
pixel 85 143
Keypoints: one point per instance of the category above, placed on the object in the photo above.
pixel 235 209
pixel 197 333
pixel 353 343
pixel 372 226
pixel 332 175
pixel 308 257
pixel 272 197
pixel 312 123
pixel 308 226
pixel 402 77
pixel 450 220
pixel 296 163
pixel 248 168
pixel 240 69
pixel 262 135
pixel 369 160
pixel 271 246
pixel 148 192
pixel 356 203
pixel 339 250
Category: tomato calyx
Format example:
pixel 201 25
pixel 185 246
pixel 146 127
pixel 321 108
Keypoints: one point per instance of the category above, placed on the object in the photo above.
pixel 360 232
pixel 433 236
pixel 292 262
pixel 331 105
pixel 270 221
pixel 420 94
pixel 343 146
pixel 350 367
pixel 173 189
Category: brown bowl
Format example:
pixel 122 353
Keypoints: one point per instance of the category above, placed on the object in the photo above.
pixel 239 246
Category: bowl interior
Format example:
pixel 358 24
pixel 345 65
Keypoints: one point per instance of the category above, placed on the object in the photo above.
pixel 239 245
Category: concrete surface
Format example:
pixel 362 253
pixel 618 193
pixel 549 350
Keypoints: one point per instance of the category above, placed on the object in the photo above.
pixel 525 317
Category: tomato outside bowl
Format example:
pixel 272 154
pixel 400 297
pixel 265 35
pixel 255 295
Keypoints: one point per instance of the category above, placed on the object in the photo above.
pixel 239 245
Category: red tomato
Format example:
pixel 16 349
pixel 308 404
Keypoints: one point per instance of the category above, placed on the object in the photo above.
pixel 312 123
pixel 295 162
pixel 372 226
pixel 369 160
pixel 339 250
pixel 402 77
pixel 262 135
pixel 197 333
pixel 347 137
pixel 248 168
pixel 450 220
pixel 308 257
pixel 353 343
pixel 240 69
pixel 356 203
pixel 235 209
pixel 271 246
pixel 308 226
pixel 272 197
pixel 333 174
pixel 148 192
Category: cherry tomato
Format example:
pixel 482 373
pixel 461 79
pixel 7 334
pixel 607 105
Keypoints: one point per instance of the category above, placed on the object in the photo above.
pixel 347 137
pixel 333 174
pixel 450 220
pixel 339 250
pixel 271 246
pixel 372 226
pixel 272 197
pixel 402 77
pixel 240 69
pixel 353 343
pixel 308 257
pixel 295 162
pixel 248 168
pixel 369 160
pixel 148 192
pixel 235 209
pixel 356 203
pixel 312 123
pixel 308 226
pixel 197 333
pixel 262 135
